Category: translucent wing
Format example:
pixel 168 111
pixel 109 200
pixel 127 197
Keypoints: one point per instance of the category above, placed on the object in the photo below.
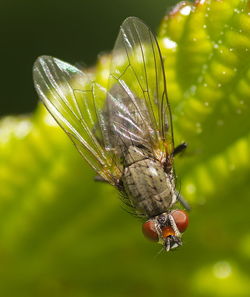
pixel 77 105
pixel 137 102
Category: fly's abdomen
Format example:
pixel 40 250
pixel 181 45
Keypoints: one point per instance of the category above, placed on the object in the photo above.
pixel 149 188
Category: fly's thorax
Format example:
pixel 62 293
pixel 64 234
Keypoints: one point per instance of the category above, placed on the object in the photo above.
pixel 134 154
pixel 150 190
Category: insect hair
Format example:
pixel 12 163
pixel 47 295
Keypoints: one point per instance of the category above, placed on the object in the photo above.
pixel 128 206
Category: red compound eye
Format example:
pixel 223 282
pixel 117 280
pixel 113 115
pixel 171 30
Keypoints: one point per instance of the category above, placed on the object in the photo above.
pixel 149 231
pixel 181 219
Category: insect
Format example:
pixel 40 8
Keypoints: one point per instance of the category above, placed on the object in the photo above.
pixel 123 130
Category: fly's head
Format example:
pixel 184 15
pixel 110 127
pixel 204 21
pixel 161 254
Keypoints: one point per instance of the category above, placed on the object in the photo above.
pixel 167 228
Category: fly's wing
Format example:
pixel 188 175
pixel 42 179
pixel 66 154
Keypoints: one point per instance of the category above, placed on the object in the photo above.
pixel 137 102
pixel 76 103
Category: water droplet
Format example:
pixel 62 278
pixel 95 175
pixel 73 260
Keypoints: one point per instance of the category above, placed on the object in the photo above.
pixel 23 128
pixel 198 128
pixel 200 78
pixel 220 122
pixel 191 188
pixel 222 269
pixel 193 89
pixel 168 43
pixel 185 10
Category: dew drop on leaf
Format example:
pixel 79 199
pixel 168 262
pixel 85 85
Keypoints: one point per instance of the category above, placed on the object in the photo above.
pixel 191 188
pixel 222 269
pixel 185 10
pixel 220 122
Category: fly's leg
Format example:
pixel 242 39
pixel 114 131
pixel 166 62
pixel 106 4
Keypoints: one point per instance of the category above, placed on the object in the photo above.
pixel 177 150
pixel 183 202
pixel 180 148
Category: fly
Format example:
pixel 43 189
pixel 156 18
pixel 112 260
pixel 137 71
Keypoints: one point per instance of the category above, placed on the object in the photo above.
pixel 124 131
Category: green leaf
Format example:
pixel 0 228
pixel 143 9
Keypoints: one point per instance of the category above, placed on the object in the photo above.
pixel 64 235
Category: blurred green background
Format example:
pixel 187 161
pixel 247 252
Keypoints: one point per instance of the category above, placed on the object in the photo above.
pixel 62 234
